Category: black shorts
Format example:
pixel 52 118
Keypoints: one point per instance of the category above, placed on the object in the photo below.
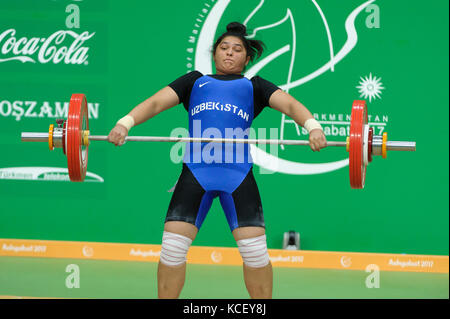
pixel 191 202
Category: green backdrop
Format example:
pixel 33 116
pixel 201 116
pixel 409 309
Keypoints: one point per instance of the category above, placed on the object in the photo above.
pixel 120 53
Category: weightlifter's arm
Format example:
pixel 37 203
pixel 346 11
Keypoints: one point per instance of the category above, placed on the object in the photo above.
pixel 162 100
pixel 287 104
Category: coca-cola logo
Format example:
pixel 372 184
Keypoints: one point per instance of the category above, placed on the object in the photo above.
pixel 56 48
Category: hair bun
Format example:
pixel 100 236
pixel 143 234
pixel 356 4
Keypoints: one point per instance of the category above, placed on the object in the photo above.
pixel 237 27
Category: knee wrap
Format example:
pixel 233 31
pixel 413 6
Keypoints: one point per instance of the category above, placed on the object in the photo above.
pixel 174 249
pixel 254 251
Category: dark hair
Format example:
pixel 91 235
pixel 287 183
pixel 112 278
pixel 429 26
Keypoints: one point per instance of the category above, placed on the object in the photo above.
pixel 253 47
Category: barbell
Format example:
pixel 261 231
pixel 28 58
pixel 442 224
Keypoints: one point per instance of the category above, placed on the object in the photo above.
pixel 73 136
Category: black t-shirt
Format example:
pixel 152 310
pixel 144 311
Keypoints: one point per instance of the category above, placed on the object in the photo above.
pixel 262 89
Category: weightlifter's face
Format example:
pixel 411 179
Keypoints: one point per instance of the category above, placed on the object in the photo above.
pixel 230 56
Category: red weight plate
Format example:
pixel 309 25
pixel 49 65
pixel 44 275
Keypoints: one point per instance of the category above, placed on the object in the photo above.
pixel 77 154
pixel 356 163
pixel 370 143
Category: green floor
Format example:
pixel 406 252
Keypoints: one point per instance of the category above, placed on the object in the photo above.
pixel 46 277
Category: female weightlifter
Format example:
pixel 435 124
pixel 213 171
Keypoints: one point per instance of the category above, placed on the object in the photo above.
pixel 221 103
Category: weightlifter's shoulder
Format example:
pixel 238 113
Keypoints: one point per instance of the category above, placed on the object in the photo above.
pixel 183 86
pixel 263 90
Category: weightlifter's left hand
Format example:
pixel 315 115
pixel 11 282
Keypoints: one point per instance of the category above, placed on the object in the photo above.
pixel 317 140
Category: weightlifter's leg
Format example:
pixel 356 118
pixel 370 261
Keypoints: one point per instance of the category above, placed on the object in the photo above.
pixel 171 268
pixel 243 209
pixel 185 214
pixel 258 275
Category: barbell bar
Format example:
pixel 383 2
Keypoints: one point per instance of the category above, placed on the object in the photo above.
pixel 43 137
pixel 73 136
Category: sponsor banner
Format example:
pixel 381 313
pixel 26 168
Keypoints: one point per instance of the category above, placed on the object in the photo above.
pixel 43 174
pixel 48 49
pixel 79 250
pixel 224 256
pixel 22 109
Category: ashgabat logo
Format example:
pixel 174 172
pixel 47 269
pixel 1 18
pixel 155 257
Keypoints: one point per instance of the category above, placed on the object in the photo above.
pixel 199 58
pixel 346 261
pixel 88 251
pixel 43 174
pixel 370 87
pixel 216 257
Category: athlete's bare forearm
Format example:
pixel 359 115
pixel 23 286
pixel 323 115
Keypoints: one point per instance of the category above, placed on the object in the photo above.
pixel 144 111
